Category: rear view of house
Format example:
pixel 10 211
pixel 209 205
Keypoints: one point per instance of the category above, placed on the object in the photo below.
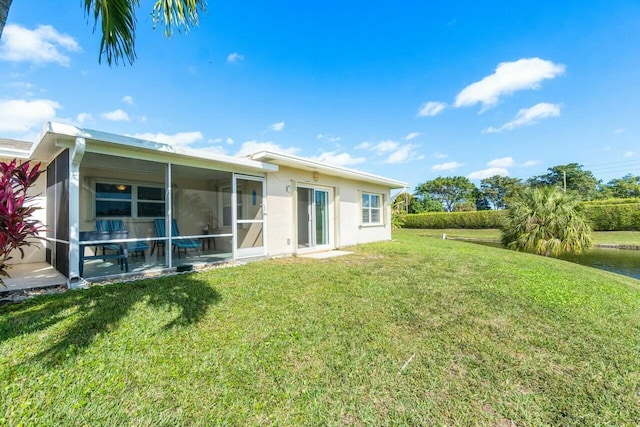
pixel 115 205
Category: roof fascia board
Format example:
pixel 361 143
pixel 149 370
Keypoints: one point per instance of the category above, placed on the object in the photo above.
pixel 295 161
pixel 149 149
pixel 11 153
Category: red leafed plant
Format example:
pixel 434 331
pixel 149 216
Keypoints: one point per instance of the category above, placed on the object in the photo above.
pixel 16 208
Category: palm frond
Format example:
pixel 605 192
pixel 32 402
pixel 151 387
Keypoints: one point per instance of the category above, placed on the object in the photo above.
pixel 546 221
pixel 118 24
pixel 117 20
pixel 177 14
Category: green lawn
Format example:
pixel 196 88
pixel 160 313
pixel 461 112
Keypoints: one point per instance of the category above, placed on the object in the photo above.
pixel 600 237
pixel 496 337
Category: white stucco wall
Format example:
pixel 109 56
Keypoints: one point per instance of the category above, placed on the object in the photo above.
pixel 281 236
pixel 347 214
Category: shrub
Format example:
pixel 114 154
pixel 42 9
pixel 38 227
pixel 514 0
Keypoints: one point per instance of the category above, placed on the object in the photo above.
pixel 475 219
pixel 613 217
pixel 614 201
pixel 547 221
pixel 15 209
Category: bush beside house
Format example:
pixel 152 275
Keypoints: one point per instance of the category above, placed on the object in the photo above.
pixel 613 217
pixel 604 215
pixel 474 219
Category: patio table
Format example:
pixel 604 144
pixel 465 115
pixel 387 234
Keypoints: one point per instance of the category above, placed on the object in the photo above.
pixel 94 238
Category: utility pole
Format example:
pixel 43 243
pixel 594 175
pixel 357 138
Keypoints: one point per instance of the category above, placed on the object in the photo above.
pixel 564 175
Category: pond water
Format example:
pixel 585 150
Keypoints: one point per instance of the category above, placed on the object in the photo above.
pixel 620 261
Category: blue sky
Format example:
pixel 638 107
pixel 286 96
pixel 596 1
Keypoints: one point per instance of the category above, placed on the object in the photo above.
pixel 410 90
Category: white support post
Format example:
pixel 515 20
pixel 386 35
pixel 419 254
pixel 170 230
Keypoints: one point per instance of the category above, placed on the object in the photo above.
pixel 168 218
pixel 75 158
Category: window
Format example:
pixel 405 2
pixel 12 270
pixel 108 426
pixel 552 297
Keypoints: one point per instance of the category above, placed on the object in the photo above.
pixel 150 202
pixel 226 205
pixel 371 208
pixel 129 200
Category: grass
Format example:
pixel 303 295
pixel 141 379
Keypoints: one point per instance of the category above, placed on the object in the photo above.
pixel 496 337
pixel 600 237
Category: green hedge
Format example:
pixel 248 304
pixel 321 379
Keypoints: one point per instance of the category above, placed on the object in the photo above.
pixel 616 217
pixel 475 219
pixel 609 217
pixel 614 201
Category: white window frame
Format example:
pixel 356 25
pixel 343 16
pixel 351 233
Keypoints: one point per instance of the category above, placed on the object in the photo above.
pixel 228 189
pixel 380 208
pixel 134 197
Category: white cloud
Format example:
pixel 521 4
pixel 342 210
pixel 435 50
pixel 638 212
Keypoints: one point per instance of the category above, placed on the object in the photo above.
pixel 253 146
pixel 180 139
pixel 219 140
pixel 530 163
pixel 17 115
pixel 440 155
pixel 116 116
pixel 235 57
pixel 84 117
pixel 395 152
pixel 21 85
pixel 403 154
pixel 487 173
pixel 339 159
pixel 385 146
pixel 412 135
pixel 447 166
pixel 508 78
pixel 24 89
pixel 42 45
pixel 215 150
pixel 329 138
pixel 629 154
pixel 431 108
pixel 127 99
pixel 277 127
pixel 618 131
pixel 503 162
pixel 528 116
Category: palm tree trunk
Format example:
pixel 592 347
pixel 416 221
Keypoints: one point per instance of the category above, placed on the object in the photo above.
pixel 4 11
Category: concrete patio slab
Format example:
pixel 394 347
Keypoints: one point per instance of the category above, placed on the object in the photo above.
pixel 32 276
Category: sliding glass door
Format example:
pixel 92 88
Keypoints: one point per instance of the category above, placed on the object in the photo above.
pixel 314 225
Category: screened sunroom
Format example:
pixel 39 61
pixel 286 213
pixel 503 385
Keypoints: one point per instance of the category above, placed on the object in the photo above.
pixel 121 206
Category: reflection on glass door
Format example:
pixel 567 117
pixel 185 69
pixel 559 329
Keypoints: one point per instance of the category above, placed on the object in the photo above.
pixel 313 218
pixel 249 213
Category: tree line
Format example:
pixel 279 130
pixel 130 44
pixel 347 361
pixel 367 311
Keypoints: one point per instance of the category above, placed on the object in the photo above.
pixel 457 193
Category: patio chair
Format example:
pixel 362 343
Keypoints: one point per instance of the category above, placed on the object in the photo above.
pixel 179 244
pixel 117 225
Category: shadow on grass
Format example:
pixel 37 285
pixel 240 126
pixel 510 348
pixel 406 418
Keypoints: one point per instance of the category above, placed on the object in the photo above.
pixel 101 308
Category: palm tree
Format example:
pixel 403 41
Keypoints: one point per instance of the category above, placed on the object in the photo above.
pixel 548 222
pixel 118 22
pixel 4 11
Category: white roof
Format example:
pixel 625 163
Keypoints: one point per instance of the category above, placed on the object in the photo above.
pixel 53 137
pixel 47 147
pixel 296 162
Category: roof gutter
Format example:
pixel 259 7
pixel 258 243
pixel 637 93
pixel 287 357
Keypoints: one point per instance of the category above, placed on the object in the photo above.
pixel 313 165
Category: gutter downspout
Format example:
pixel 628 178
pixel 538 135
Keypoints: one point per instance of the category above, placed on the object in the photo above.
pixel 75 158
